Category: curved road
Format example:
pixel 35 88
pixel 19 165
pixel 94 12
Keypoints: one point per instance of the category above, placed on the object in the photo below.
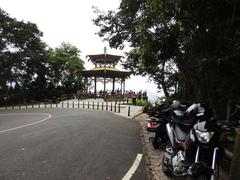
pixel 67 144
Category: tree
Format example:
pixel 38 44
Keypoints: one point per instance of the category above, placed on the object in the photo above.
pixel 22 58
pixel 65 67
pixel 195 36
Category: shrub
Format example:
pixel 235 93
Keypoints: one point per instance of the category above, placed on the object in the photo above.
pixel 148 106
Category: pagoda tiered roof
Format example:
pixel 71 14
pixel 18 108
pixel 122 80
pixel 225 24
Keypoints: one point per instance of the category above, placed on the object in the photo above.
pixel 104 58
pixel 110 72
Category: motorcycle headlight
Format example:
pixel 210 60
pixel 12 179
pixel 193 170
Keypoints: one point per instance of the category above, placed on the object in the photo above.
pixel 204 137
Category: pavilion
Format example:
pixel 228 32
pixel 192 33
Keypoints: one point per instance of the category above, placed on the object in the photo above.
pixel 105 72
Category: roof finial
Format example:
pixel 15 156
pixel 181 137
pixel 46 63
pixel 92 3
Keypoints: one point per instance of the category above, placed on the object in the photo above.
pixel 105 51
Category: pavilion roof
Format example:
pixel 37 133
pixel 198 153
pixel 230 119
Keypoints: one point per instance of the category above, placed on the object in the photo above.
pixel 106 72
pixel 104 59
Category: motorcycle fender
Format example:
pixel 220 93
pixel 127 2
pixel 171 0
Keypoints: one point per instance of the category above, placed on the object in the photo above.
pixel 170 134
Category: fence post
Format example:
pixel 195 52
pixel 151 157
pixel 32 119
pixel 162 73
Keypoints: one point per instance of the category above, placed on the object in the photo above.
pixel 45 105
pixel 51 105
pixel 118 107
pixel 19 106
pixel 62 104
pixel 73 104
pixel 115 107
pixel 83 104
pixel 93 105
pixel 32 105
pixel 102 105
pixel 88 105
pixel 111 106
pixel 106 106
pixel 39 105
pixel 97 105
pixel 26 106
pixel 78 104
pixel 56 105
pixel 128 111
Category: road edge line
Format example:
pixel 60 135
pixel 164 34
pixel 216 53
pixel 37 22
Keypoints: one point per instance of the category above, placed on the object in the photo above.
pixel 26 125
pixel 133 168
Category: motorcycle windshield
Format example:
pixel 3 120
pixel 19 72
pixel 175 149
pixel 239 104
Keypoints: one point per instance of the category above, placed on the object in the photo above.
pixel 201 126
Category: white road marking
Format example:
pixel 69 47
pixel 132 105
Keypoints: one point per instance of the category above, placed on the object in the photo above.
pixel 26 125
pixel 134 167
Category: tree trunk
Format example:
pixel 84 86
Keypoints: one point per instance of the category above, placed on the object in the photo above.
pixel 228 109
pixel 164 89
pixel 235 165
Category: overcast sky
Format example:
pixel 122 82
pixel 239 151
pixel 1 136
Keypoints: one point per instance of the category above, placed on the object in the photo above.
pixel 71 21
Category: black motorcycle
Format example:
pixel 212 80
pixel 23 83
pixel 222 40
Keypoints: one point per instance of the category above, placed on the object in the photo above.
pixel 178 128
pixel 205 147
pixel 156 126
pixel 198 153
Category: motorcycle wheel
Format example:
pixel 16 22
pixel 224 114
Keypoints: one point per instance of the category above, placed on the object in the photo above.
pixel 165 168
pixel 216 176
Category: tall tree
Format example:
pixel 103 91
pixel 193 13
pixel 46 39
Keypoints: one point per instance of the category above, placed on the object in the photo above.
pixel 66 66
pixel 200 40
pixel 22 57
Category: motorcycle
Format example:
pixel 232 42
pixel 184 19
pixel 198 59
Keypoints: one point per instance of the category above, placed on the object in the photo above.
pixel 157 130
pixel 178 128
pixel 198 153
pixel 206 140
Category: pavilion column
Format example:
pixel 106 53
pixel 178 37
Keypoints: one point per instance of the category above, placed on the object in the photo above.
pixel 104 84
pixel 95 86
pixel 121 86
pixel 86 84
pixel 113 87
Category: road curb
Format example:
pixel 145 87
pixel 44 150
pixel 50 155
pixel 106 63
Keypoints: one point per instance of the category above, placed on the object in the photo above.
pixel 152 156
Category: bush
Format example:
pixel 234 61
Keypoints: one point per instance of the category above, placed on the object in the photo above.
pixel 140 102
pixel 148 106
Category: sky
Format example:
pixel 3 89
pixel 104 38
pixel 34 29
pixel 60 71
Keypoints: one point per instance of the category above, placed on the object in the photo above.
pixel 71 21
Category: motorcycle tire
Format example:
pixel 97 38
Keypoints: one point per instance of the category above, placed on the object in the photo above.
pixel 197 178
pixel 216 176
pixel 156 144
pixel 165 168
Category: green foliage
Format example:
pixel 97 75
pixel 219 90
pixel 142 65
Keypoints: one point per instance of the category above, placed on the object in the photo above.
pixel 65 67
pixel 189 48
pixel 141 102
pixel 29 70
pixel 22 59
pixel 147 107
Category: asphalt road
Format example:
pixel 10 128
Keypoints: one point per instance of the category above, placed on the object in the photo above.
pixel 71 144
